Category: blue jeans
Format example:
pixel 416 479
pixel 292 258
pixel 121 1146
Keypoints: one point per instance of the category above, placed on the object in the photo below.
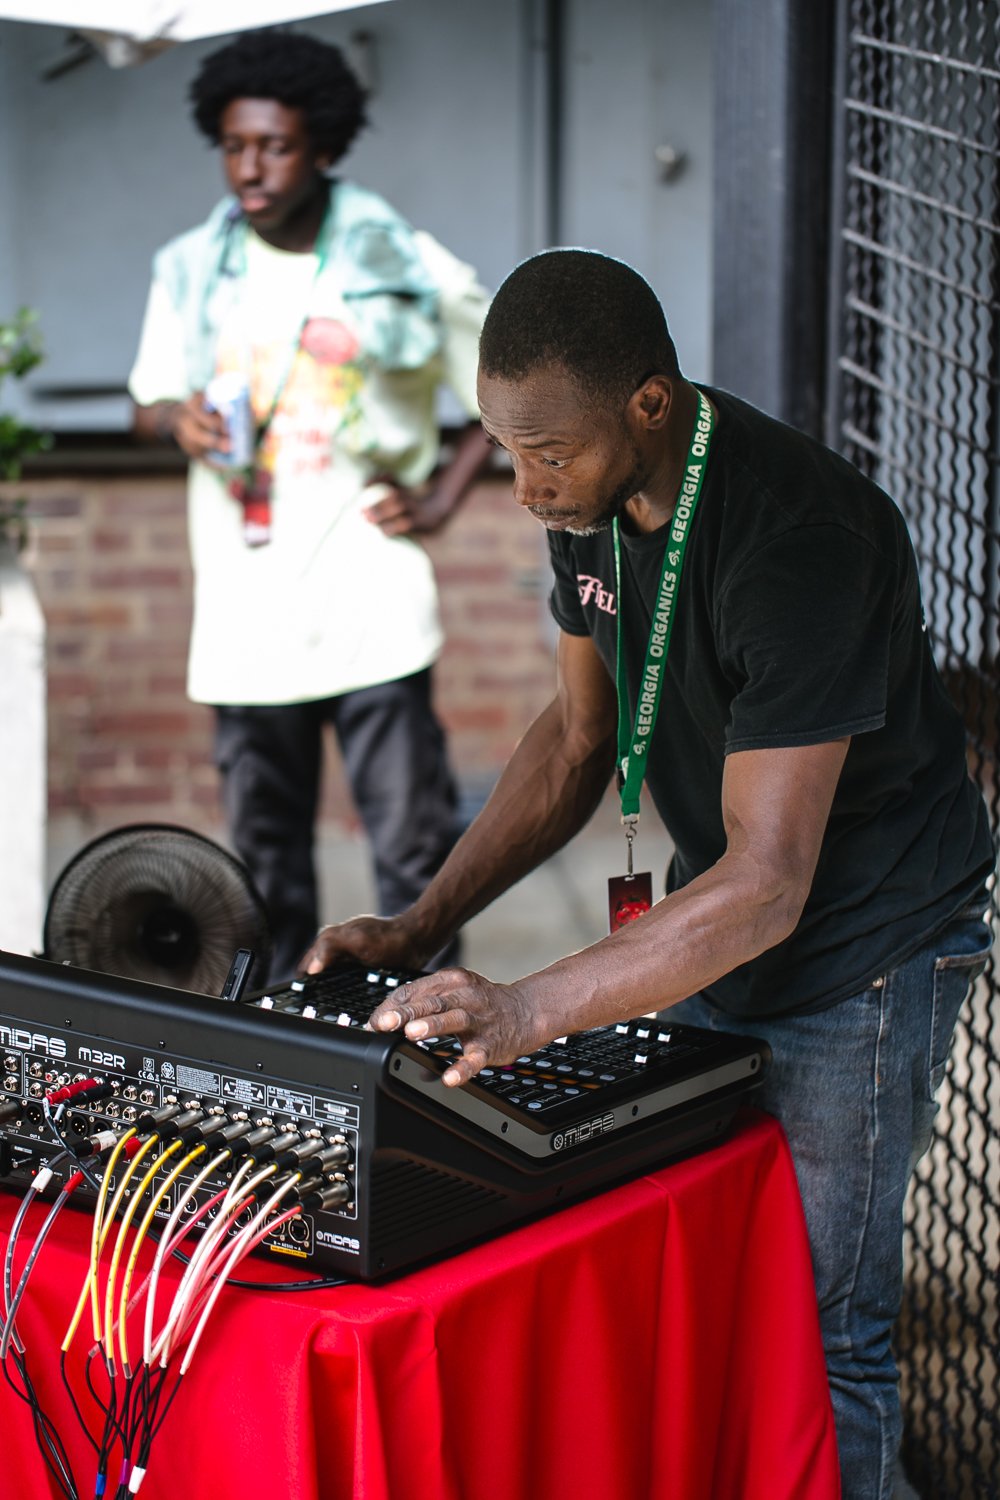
pixel 854 1088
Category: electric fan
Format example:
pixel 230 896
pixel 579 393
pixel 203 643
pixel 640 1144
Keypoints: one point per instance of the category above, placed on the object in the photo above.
pixel 153 902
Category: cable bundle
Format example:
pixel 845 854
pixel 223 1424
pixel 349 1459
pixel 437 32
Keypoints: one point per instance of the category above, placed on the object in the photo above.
pixel 274 1174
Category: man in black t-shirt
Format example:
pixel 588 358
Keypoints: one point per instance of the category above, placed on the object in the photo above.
pixel 740 621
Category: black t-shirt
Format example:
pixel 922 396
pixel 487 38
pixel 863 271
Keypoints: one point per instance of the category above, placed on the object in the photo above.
pixel 797 621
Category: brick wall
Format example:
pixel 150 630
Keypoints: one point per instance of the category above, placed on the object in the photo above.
pixel 109 558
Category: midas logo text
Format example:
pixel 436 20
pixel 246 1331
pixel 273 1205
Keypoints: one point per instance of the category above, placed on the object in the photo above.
pixel 338 1241
pixel 586 1132
pixel 32 1041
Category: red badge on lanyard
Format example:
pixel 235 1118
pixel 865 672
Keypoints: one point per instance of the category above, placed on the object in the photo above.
pixel 629 896
pixel 254 494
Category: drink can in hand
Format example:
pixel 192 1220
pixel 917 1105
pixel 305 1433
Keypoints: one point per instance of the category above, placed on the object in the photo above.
pixel 229 395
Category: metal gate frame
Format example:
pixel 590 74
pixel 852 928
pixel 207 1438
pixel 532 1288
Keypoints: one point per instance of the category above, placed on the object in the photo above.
pixel 914 400
pixel 857 295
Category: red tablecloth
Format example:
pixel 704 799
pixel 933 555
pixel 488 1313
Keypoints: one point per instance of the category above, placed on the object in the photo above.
pixel 658 1342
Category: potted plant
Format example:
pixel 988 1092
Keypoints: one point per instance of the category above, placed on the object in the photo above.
pixel 20 351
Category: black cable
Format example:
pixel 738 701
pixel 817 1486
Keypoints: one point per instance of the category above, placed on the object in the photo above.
pixel 50 1444
pixel 134 1409
pixel 76 1405
pixel 170 1401
pixel 126 1422
pixel 47 1435
pixel 52 1448
pixel 90 1384
pixel 113 1430
pixel 322 1283
pixel 36 1249
pixel 150 1387
pixel 103 1448
pixel 67 1150
pixel 151 1421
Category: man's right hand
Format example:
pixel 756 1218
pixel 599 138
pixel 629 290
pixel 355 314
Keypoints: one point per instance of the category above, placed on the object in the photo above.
pixel 382 942
pixel 197 430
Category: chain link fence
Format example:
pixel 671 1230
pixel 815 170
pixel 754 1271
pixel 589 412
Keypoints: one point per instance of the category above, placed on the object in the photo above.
pixel 916 403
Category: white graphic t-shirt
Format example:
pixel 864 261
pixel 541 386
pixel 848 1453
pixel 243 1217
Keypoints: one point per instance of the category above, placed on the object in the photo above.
pixel 329 603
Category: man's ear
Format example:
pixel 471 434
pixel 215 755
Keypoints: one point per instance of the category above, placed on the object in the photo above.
pixel 650 402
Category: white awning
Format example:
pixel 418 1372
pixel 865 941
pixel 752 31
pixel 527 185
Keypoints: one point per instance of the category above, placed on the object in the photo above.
pixel 128 30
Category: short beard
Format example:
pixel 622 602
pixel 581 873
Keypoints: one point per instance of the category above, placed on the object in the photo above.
pixel 637 477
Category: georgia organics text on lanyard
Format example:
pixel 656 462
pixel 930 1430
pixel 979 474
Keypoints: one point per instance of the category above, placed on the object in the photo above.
pixel 630 895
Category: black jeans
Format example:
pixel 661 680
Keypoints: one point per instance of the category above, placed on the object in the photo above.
pixel 393 747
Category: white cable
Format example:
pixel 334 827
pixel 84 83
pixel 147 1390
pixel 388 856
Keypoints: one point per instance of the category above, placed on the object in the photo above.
pixel 167 1243
pixel 194 1278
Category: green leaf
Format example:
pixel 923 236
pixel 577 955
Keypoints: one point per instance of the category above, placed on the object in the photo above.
pixel 20 351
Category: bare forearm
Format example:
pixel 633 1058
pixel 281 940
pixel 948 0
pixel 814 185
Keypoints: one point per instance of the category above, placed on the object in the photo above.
pixel 724 918
pixel 402 511
pixel 197 431
pixel 547 792
pixel 472 453
pixel 549 788
pixel 155 424
pixel 727 916
pixel 775 806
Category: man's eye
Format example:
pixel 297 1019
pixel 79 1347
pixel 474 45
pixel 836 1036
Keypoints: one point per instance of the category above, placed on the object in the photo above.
pixel 554 463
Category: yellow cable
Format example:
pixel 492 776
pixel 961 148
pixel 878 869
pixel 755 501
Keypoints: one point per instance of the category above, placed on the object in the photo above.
pixel 109 1292
pixel 92 1283
pixel 98 1236
pixel 140 1236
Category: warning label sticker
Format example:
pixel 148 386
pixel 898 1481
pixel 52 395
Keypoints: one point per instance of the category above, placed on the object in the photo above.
pixel 287 1103
pixel 243 1090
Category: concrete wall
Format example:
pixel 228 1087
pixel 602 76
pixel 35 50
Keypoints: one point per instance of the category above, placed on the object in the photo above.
pixel 109 166
pixel 638 83
pixel 99 166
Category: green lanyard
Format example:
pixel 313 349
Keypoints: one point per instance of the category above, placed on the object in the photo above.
pixel 633 742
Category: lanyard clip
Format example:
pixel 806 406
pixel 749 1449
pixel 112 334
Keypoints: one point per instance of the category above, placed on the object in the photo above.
pixel 630 822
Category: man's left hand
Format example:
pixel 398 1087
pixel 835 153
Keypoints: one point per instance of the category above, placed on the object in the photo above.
pixel 408 510
pixel 494 1022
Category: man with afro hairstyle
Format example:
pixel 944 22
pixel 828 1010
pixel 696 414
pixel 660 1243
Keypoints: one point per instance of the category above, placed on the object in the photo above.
pixel 314 603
